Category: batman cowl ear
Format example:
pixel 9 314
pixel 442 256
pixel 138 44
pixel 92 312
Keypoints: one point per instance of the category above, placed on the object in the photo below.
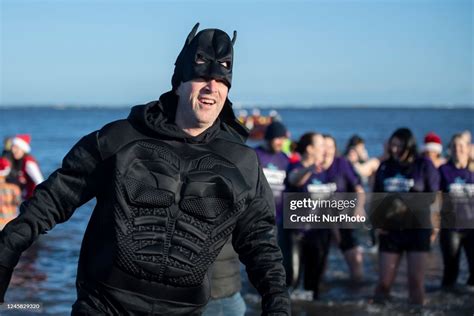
pixel 234 38
pixel 188 41
pixel 191 34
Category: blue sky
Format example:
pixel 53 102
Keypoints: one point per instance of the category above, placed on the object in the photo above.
pixel 287 53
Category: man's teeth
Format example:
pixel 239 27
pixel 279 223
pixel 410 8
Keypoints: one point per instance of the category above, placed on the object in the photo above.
pixel 210 102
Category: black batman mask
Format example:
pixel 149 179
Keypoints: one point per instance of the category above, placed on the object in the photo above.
pixel 208 55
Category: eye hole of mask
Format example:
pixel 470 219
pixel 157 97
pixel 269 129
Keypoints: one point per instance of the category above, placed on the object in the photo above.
pixel 200 59
pixel 225 63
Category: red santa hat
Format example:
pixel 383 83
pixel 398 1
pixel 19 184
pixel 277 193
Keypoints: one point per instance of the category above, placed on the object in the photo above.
pixel 433 143
pixel 23 142
pixel 4 167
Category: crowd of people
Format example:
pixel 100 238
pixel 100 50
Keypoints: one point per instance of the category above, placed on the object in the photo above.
pixel 314 164
pixel 179 195
pixel 402 168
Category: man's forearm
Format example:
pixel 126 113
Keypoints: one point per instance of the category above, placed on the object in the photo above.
pixel 299 177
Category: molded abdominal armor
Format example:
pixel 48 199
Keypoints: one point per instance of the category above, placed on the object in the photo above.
pixel 175 209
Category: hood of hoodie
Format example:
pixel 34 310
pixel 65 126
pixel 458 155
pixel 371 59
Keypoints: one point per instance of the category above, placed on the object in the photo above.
pixel 157 119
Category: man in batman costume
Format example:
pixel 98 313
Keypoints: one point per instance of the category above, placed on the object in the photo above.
pixel 173 182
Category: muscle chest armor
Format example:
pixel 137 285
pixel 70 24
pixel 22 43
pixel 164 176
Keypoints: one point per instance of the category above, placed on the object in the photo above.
pixel 175 205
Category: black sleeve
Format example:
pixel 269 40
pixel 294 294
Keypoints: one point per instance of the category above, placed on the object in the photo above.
pixel 53 201
pixel 254 239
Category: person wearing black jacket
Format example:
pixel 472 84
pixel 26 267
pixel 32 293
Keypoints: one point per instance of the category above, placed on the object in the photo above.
pixel 173 182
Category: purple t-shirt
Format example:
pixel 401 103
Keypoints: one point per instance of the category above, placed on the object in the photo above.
pixel 318 182
pixel 420 176
pixel 339 177
pixel 456 180
pixel 274 167
pixel 343 175
pixel 459 184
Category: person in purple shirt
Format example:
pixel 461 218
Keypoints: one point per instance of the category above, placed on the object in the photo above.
pixel 457 182
pixel 274 162
pixel 341 172
pixel 309 176
pixel 404 171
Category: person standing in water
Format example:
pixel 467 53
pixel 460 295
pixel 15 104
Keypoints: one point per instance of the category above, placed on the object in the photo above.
pixel 311 249
pixel 404 171
pixel 365 167
pixel 275 165
pixel 25 169
pixel 340 172
pixel 457 230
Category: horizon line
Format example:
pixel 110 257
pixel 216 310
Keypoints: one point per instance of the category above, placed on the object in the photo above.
pixel 239 106
pixel 246 105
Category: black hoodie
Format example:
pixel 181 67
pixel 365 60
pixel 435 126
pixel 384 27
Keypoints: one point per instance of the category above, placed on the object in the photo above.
pixel 167 202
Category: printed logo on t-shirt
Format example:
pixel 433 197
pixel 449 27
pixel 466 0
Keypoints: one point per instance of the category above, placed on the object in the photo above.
pixel 317 186
pixel 275 178
pixel 459 188
pixel 462 203
pixel 398 183
pixel 271 166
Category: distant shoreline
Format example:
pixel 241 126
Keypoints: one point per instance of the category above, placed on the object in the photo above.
pixel 261 107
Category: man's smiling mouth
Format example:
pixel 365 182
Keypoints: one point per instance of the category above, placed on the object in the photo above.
pixel 206 101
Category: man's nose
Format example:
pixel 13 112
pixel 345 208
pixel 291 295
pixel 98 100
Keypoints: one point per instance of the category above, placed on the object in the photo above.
pixel 212 86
